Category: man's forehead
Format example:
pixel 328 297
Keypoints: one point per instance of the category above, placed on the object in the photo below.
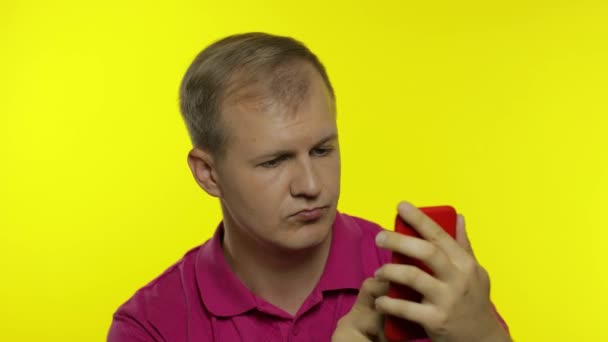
pixel 260 134
pixel 285 85
pixel 279 123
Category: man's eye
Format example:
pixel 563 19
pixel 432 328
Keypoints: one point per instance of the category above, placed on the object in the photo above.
pixel 321 151
pixel 271 163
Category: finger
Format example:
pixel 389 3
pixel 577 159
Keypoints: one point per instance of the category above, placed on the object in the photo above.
pixel 363 316
pixel 430 230
pixel 370 290
pixel 368 321
pixel 431 255
pixel 381 336
pixel 411 311
pixel 461 235
pixel 431 288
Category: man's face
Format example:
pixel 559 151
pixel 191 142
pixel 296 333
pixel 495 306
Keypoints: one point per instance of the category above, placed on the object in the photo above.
pixel 280 175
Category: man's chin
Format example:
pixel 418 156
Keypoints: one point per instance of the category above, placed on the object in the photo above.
pixel 308 236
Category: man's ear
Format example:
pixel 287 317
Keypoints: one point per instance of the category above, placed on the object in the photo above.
pixel 203 167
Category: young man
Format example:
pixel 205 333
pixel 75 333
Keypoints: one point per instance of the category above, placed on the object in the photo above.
pixel 283 264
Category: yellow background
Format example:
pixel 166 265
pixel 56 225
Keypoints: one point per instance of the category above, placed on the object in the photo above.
pixel 496 107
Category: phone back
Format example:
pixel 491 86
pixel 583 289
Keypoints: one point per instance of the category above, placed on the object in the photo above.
pixel 396 329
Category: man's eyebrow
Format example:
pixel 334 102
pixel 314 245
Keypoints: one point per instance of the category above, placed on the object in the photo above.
pixel 330 137
pixel 327 139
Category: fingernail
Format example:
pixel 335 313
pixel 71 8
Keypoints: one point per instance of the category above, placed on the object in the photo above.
pixel 376 302
pixel 376 273
pixel 380 238
pixel 406 206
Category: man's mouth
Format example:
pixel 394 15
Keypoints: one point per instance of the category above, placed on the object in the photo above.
pixel 310 214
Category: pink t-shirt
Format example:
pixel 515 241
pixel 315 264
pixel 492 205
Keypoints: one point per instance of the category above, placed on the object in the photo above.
pixel 200 299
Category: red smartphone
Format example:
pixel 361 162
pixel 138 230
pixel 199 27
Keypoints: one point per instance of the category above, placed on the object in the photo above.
pixel 397 329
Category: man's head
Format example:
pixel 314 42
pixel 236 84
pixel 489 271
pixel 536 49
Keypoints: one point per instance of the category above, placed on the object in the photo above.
pixel 260 111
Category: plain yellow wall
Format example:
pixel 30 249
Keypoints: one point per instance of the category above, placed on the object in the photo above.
pixel 496 107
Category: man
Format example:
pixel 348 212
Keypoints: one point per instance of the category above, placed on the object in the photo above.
pixel 284 264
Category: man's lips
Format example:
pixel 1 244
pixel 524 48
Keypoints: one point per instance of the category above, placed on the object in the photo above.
pixel 310 214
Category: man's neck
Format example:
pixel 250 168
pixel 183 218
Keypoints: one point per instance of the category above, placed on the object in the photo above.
pixel 282 278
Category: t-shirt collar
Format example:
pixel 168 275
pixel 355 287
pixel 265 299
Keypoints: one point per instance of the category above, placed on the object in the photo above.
pixel 225 295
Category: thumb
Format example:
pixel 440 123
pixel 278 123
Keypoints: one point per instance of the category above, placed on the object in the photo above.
pixel 461 235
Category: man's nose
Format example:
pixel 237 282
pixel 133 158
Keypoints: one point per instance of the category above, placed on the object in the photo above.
pixel 305 181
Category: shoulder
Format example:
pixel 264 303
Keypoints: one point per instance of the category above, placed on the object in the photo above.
pixel 159 309
pixel 366 226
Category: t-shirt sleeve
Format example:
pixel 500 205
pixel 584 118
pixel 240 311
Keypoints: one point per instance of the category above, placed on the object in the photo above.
pixel 128 329
pixel 135 321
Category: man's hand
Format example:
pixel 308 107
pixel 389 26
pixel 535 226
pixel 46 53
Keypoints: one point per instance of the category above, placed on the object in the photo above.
pixel 363 322
pixel 456 305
